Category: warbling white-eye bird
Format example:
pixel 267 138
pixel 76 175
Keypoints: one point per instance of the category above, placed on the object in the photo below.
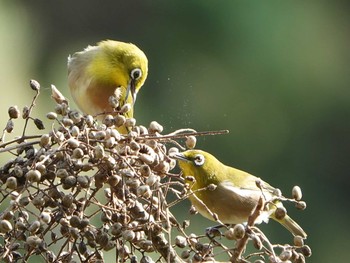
pixel 236 194
pixel 95 73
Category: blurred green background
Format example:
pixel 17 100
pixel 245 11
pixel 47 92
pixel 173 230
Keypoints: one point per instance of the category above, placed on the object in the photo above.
pixel 276 74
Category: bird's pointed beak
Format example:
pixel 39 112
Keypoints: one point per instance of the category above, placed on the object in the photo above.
pixel 131 90
pixel 179 156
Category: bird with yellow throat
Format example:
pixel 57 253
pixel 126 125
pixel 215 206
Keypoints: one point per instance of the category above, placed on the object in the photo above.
pixel 236 193
pixel 99 72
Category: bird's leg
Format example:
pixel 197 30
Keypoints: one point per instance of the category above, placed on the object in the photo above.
pixel 214 231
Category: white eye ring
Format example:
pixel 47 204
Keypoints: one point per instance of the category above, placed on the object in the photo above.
pixel 136 73
pixel 199 160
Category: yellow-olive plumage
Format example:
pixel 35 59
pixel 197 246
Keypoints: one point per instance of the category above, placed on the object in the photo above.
pixel 95 73
pixel 236 194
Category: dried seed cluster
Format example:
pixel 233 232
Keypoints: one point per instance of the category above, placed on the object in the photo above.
pixel 83 188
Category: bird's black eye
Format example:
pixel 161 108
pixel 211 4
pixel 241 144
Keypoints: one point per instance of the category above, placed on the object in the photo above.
pixel 136 73
pixel 199 160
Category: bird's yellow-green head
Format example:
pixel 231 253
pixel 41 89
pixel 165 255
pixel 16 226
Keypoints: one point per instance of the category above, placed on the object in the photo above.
pixel 95 73
pixel 203 166
pixel 121 64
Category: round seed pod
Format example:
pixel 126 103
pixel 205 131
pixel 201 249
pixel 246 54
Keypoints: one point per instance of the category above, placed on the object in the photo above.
pixel 45 140
pixel 20 226
pixel 115 134
pixel 51 115
pixel 75 132
pixel 34 227
pixel 144 191
pixel 78 153
pixel 110 142
pixel 113 101
pixel 180 241
pixel 125 108
pixel 285 255
pixel 75 221
pixel 116 229
pixel 298 241
pixel 74 233
pixel 100 135
pixel 73 143
pixel 18 172
pixel 143 130
pixel 155 127
pixel 212 187
pixel 14 195
pixel 193 239
pixel 191 142
pixel 67 200
pixel 185 254
pixel 119 120
pixel 34 85
pixel 67 122
pixel 257 242
pixel 152 143
pixel 5 226
pixel 146 259
pixel 89 120
pixel 13 112
pixel 172 151
pixel 69 182
pixel 229 234
pixel 114 179
pixel 163 167
pixel 146 245
pixel 11 182
pixel 45 217
pixel 102 239
pixel 134 146
pixel 280 213
pixel 238 231
pixel 41 168
pixel 197 258
pixel 277 192
pixel 83 181
pixel 33 176
pixel 99 152
pixel 306 251
pixel 130 122
pixel 38 201
pixel 146 158
pixel 82 248
pixel 301 205
pixel 25 112
pixel 84 223
pixel 296 193
pixel 145 170
pixel 62 173
pixel 128 235
pixel 110 245
pixel 108 120
pixel 24 201
pixel 75 116
pixel 33 241
pixel 193 210
pixel 59 137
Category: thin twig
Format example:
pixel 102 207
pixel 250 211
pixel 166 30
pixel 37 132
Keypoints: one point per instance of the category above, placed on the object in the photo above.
pixel 29 111
pixel 242 243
